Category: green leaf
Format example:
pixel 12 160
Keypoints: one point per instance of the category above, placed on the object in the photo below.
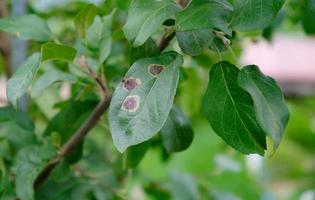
pixel 22 79
pixel 145 17
pixel 85 18
pixel 148 49
pixel 53 51
pixel 142 102
pixel 28 164
pixel 27 27
pixel 195 41
pixel 49 78
pixel 17 128
pixel 309 17
pixel 184 187
pixel 253 15
pixel 177 133
pixel 8 114
pixel 99 36
pixel 134 154
pixel 194 25
pixel 6 188
pixel 68 121
pixel 230 111
pixel 271 110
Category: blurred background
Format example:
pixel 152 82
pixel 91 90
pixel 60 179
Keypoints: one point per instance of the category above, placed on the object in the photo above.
pixel 209 169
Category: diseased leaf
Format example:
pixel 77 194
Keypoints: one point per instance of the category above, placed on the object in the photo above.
pixel 177 133
pixel 271 110
pixel 230 111
pixel 48 79
pixel 142 102
pixel 53 51
pixel 145 17
pixel 22 79
pixel 194 25
pixel 27 27
pixel 253 15
pixel 85 18
pixel 28 164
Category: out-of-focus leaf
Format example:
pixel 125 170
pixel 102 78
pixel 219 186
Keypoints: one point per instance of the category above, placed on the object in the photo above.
pixel 28 164
pixel 68 120
pixel 8 114
pixel 49 78
pixel 309 17
pixel 184 187
pixel 253 15
pixel 99 36
pixel 271 110
pixel 230 111
pixel 22 79
pixel 142 102
pixel 177 133
pixel 85 18
pixel 220 195
pixel 17 128
pixel 27 27
pixel 53 51
pixel 268 32
pixel 62 172
pixel 6 188
pixel 134 154
pixel 145 17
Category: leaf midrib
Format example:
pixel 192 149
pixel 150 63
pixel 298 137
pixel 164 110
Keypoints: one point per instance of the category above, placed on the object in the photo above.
pixel 235 108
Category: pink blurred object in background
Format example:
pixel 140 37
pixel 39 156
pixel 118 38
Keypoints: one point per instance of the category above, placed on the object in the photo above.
pixel 288 59
pixel 3 97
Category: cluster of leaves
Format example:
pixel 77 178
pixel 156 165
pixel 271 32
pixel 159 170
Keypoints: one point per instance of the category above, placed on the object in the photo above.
pixel 244 107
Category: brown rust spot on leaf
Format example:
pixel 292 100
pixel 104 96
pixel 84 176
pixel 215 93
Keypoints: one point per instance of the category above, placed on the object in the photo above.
pixel 156 69
pixel 131 83
pixel 131 103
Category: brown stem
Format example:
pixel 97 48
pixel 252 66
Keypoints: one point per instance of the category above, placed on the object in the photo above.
pixel 165 40
pixel 73 142
pixel 97 79
pixel 183 3
pixel 43 175
pixel 168 36
pixel 85 128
